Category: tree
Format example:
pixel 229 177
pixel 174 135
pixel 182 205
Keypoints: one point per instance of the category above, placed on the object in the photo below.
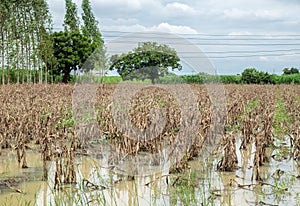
pixel 148 61
pixel 290 70
pixel 46 52
pixel 4 16
pixel 21 23
pixel 71 21
pixel 90 29
pixel 252 76
pixel 71 49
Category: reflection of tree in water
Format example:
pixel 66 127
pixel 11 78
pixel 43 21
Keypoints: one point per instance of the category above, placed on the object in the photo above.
pixel 228 188
pixel 245 157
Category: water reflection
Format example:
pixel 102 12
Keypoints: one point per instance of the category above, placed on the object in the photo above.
pixel 99 185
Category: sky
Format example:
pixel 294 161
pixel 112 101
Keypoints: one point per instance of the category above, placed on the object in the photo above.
pixel 232 35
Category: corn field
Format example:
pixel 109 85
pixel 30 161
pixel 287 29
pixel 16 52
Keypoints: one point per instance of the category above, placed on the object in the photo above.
pixel 40 117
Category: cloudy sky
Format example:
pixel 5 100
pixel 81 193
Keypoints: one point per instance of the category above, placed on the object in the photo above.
pixel 233 34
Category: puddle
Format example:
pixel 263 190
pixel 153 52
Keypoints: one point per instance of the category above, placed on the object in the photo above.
pixel 100 186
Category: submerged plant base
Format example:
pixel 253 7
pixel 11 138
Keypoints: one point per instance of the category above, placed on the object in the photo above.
pixel 200 183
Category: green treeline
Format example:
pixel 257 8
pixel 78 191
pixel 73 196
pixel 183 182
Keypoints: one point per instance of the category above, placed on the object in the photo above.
pixel 237 79
pixel 248 76
pixel 265 78
pixel 32 52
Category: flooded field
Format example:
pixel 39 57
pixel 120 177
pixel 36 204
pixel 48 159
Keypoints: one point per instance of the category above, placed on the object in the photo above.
pixel 45 161
pixel 197 186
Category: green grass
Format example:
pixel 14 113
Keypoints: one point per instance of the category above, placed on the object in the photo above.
pixel 281 117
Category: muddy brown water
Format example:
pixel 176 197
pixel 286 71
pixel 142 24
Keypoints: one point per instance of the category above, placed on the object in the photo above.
pixel 214 188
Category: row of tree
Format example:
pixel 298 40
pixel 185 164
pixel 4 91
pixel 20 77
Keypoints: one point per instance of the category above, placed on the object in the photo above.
pixel 28 45
pixel 25 27
pixel 248 76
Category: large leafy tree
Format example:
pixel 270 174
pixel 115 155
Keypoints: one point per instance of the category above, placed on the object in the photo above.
pixel 71 49
pixel 149 60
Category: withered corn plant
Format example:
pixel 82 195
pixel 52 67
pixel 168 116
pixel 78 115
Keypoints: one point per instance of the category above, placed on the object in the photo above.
pixel 40 116
pixel 290 117
pixel 229 161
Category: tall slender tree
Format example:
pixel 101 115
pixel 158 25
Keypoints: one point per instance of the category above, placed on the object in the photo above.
pixel 4 16
pixel 90 24
pixel 91 30
pixel 21 24
pixel 71 21
pixel 43 33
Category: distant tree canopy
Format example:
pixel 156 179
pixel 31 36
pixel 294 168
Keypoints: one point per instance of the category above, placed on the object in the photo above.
pixel 253 76
pixel 149 60
pixel 290 70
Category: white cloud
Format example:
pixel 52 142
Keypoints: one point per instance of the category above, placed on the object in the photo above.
pixel 162 27
pixel 119 21
pixel 236 13
pixel 165 27
pixel 124 4
pixel 177 8
pixel 262 14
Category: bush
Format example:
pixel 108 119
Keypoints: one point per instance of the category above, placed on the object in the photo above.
pixel 231 79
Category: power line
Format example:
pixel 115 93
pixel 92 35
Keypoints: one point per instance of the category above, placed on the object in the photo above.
pixel 204 39
pixel 238 56
pixel 226 52
pixel 230 38
pixel 199 34
pixel 186 34
pixel 214 44
pixel 203 56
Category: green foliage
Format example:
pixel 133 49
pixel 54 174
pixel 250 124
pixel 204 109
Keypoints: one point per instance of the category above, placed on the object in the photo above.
pixel 202 78
pixel 90 27
pixel 71 21
pixel 67 121
pixel 23 37
pixel 71 49
pixel 290 79
pixel 111 79
pixel 148 61
pixel 198 79
pixel 292 70
pixel 281 117
pixel 97 60
pixel 32 74
pixel 252 76
pixel 230 79
pixel 251 106
pixel 170 79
